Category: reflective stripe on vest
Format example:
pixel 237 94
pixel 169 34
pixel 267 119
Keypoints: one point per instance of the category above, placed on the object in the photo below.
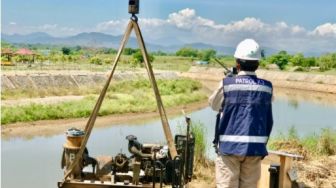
pixel 246 139
pixel 247 87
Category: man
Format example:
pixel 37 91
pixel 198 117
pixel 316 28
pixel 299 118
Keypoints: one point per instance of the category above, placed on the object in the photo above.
pixel 246 120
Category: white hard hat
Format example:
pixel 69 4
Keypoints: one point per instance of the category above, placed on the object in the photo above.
pixel 248 49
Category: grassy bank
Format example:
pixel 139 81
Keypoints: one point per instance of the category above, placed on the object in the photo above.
pixel 316 170
pixel 310 146
pixel 12 94
pixel 122 97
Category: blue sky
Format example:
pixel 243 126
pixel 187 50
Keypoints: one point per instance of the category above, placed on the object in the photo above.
pixel 308 13
pixel 310 19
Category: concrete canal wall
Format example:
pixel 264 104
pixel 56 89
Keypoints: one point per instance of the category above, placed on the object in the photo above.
pixel 59 79
pixel 68 79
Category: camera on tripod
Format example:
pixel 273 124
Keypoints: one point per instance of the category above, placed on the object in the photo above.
pixel 133 6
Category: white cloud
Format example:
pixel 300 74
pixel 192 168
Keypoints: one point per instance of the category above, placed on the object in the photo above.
pixel 248 24
pixel 186 26
pixel 325 30
pixel 184 19
pixel 12 23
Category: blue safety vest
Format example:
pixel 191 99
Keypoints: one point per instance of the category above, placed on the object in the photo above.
pixel 247 116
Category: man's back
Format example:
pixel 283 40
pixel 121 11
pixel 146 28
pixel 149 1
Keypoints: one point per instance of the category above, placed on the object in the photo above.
pixel 247 116
pixel 245 123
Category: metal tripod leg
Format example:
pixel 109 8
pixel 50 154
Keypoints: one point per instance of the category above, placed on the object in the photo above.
pixel 151 76
pixel 94 113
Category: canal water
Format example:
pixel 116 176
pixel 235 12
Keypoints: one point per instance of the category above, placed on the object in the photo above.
pixel 35 162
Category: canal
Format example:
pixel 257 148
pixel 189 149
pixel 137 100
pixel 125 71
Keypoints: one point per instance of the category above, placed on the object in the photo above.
pixel 35 162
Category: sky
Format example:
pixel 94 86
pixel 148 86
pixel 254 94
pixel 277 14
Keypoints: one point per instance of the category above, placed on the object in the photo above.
pixel 293 25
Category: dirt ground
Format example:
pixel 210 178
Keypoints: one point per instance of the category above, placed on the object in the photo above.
pixel 318 172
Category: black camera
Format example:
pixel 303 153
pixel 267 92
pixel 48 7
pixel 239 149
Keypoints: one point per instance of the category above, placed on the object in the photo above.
pixel 133 6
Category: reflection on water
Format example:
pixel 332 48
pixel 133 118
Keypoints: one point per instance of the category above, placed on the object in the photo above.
pixel 36 162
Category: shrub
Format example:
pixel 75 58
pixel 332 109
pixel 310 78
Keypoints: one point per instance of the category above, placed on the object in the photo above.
pixel 138 58
pixel 281 59
pixel 327 61
pixel 187 52
pixel 96 61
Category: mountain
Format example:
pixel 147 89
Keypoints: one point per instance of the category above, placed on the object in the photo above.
pixel 95 39
pixel 32 38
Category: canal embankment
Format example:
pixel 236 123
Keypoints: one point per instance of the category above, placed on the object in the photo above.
pixel 281 79
pixel 72 79
pixel 59 81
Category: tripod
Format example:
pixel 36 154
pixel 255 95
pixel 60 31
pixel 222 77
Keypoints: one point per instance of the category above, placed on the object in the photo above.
pixel 133 24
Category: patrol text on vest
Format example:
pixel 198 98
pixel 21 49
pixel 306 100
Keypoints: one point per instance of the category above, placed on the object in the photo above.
pixel 248 81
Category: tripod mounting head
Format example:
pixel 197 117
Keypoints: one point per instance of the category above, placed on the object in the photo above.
pixel 133 7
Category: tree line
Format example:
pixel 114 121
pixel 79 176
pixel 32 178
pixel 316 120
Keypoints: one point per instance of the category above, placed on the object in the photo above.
pixel 58 53
pixel 204 55
pixel 285 61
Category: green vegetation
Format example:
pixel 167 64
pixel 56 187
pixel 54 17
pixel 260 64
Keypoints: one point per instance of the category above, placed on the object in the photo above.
pixel 138 58
pixel 327 61
pixel 187 52
pixel 285 61
pixel 66 51
pixel 96 61
pixel 322 144
pixel 204 55
pixel 122 97
pixel 56 57
pixel 44 92
pixel 199 132
pixel 202 165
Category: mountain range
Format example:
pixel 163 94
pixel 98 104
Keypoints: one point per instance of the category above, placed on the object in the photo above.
pixel 96 39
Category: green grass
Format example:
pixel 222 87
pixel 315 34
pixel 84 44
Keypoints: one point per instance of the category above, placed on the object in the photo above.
pixel 49 91
pixel 122 97
pixel 314 145
pixel 199 132
pixel 172 63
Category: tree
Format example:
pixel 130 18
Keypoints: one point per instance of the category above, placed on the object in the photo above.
pixel 206 55
pixel 327 61
pixel 281 59
pixel 297 59
pixel 137 56
pixel 129 51
pixel 309 62
pixel 66 51
pixel 187 52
